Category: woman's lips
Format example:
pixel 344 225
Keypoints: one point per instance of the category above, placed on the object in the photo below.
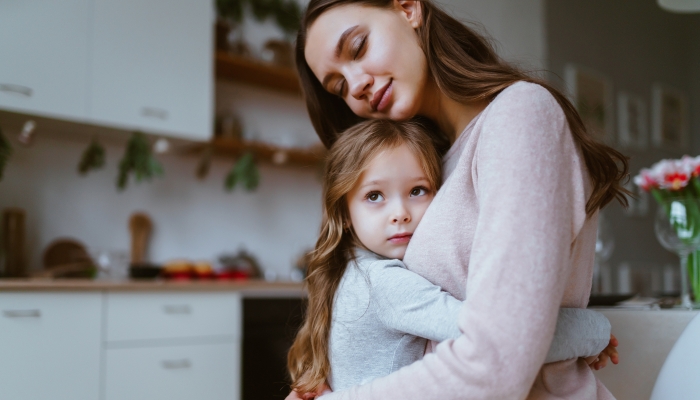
pixel 401 238
pixel 381 99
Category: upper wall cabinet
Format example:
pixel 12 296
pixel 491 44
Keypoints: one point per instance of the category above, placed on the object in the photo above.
pixel 152 66
pixel 44 46
pixel 129 64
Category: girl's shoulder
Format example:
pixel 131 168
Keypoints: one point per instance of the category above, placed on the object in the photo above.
pixel 375 266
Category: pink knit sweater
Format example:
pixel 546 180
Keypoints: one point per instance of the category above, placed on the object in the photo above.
pixel 508 232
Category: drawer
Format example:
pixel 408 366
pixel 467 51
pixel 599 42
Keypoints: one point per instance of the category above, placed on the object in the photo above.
pixel 50 345
pixel 146 316
pixel 209 371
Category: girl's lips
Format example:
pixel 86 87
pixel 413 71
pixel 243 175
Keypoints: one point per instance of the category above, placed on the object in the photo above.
pixel 401 238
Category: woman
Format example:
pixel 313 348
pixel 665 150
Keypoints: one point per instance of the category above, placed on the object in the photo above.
pixel 517 214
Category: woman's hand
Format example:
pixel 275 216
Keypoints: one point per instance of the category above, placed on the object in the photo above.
pixel 321 390
pixel 610 352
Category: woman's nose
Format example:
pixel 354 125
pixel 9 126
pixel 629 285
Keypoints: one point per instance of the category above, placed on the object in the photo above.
pixel 359 84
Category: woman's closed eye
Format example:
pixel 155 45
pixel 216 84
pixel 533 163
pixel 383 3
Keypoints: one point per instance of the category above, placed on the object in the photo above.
pixel 374 197
pixel 358 46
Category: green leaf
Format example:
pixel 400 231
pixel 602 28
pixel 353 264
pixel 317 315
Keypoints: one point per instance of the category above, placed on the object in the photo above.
pixel 138 161
pixel 5 152
pixel 244 171
pixel 93 158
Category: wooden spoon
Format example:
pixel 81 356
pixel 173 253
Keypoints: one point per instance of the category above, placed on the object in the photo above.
pixel 140 226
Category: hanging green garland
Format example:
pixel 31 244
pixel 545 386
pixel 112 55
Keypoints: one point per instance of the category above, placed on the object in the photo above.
pixel 138 160
pixel 287 13
pixel 93 158
pixel 244 172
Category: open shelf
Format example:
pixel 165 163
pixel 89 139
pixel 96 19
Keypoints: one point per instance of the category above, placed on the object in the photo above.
pixel 254 72
pixel 265 152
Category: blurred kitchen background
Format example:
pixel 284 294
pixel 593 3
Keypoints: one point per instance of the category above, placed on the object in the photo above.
pixel 234 195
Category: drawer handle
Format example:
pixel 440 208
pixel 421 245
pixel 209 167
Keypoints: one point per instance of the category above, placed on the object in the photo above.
pixel 177 309
pixel 152 112
pixel 19 89
pixel 177 364
pixel 22 313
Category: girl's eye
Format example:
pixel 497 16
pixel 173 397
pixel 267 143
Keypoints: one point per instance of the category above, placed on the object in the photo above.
pixel 419 191
pixel 374 197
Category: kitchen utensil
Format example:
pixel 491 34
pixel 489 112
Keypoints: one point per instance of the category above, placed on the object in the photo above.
pixel 12 245
pixel 67 258
pixel 144 271
pixel 140 226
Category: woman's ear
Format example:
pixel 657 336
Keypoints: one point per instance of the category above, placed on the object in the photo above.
pixel 411 10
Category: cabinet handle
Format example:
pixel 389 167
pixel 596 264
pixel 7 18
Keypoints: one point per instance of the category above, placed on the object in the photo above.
pixel 177 309
pixel 152 112
pixel 177 364
pixel 19 89
pixel 22 313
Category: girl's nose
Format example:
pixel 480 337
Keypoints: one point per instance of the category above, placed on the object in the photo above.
pixel 401 215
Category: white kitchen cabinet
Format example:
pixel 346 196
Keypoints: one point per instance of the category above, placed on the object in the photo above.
pixel 184 372
pixel 173 346
pixel 44 47
pixel 50 346
pixel 152 66
pixel 154 316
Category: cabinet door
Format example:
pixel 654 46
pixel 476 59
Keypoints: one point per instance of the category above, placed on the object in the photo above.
pixel 204 371
pixel 152 66
pixel 44 57
pixel 50 346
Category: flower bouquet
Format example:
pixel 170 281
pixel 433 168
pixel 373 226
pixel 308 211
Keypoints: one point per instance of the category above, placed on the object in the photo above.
pixel 675 185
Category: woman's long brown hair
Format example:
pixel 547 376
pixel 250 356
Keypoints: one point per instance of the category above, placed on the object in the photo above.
pixel 466 68
pixel 308 361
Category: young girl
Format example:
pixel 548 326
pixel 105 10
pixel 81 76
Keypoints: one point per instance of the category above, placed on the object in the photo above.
pixel 367 314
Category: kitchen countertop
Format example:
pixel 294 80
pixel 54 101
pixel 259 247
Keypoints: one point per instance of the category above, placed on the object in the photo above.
pixel 249 288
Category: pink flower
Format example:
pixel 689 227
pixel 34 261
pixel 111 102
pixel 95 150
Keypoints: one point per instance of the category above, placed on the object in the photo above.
pixel 672 174
pixel 692 165
pixel 645 180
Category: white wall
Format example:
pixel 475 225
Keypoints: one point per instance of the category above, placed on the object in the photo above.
pixel 517 27
pixel 193 219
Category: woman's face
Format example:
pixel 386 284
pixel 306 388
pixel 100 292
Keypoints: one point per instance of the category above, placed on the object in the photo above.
pixel 371 57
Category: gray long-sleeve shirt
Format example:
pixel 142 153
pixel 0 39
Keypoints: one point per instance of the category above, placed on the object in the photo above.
pixel 383 315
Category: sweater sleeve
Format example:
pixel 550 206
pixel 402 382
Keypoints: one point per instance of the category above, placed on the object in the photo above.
pixel 529 213
pixel 407 302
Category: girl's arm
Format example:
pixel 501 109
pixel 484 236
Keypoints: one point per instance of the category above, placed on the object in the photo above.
pixel 531 208
pixel 409 303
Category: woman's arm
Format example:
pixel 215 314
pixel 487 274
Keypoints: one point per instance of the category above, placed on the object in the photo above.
pixel 531 208
pixel 409 303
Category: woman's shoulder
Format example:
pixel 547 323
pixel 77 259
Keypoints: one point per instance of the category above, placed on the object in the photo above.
pixel 526 96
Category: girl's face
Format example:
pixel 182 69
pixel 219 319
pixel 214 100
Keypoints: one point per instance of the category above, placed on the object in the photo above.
pixel 389 200
pixel 371 57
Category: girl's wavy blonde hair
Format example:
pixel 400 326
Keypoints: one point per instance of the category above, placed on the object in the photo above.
pixel 308 361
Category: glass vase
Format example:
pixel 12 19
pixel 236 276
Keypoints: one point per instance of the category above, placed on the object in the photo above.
pixel 677 228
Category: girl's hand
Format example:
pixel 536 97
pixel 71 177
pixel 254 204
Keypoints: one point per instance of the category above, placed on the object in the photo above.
pixel 610 352
pixel 321 390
